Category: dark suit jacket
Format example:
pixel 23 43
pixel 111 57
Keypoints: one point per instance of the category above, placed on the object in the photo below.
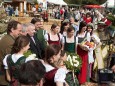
pixel 35 47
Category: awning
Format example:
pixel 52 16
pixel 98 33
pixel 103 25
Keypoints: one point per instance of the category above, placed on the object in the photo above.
pixel 93 6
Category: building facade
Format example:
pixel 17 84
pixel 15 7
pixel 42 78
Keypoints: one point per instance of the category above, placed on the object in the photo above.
pixel 23 5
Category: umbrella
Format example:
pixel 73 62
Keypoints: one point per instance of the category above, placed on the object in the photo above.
pixel 93 6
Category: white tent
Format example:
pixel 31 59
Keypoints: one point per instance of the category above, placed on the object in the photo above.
pixel 44 2
pixel 58 2
pixel 110 3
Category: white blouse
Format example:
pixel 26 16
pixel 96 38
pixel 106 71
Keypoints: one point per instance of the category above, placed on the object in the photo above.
pixel 82 35
pixel 70 40
pixel 60 75
pixel 15 57
pixel 52 38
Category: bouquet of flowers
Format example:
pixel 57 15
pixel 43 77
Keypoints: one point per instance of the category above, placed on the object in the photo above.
pixel 73 64
pixel 89 44
pixel 30 56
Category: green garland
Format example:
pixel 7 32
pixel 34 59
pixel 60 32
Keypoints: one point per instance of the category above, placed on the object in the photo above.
pixel 73 60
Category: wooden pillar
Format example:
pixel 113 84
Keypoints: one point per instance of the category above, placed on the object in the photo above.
pixel 25 5
pixel 29 7
pixel 21 8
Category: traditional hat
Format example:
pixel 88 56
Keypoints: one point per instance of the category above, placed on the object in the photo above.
pixel 101 23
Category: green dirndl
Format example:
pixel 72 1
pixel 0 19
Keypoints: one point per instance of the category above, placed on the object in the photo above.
pixel 70 47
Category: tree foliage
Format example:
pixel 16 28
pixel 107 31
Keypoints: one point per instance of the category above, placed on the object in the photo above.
pixel 81 2
pixel 71 1
pixel 35 2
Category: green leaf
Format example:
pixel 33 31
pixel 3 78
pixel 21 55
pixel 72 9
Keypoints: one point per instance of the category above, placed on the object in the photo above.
pixel 26 54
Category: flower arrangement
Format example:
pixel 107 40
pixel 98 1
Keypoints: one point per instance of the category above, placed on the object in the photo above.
pixel 89 44
pixel 30 55
pixel 73 62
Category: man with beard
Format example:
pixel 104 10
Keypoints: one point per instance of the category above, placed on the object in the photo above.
pixel 101 51
pixel 13 31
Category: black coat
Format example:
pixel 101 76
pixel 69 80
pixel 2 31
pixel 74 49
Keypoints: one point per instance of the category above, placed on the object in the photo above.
pixel 36 47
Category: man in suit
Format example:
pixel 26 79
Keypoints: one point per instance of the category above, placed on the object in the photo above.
pixel 35 45
pixel 40 33
pixel 6 43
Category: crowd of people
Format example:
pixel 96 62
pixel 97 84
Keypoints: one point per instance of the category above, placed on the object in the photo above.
pixel 47 67
pixel 11 11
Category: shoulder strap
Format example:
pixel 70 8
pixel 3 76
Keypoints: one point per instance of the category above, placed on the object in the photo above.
pixel 21 60
pixel 58 36
pixel 75 42
pixel 8 63
pixel 8 59
pixel 75 39
pixel 13 67
pixel 44 32
pixel 48 36
pixel 76 34
pixel 65 38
